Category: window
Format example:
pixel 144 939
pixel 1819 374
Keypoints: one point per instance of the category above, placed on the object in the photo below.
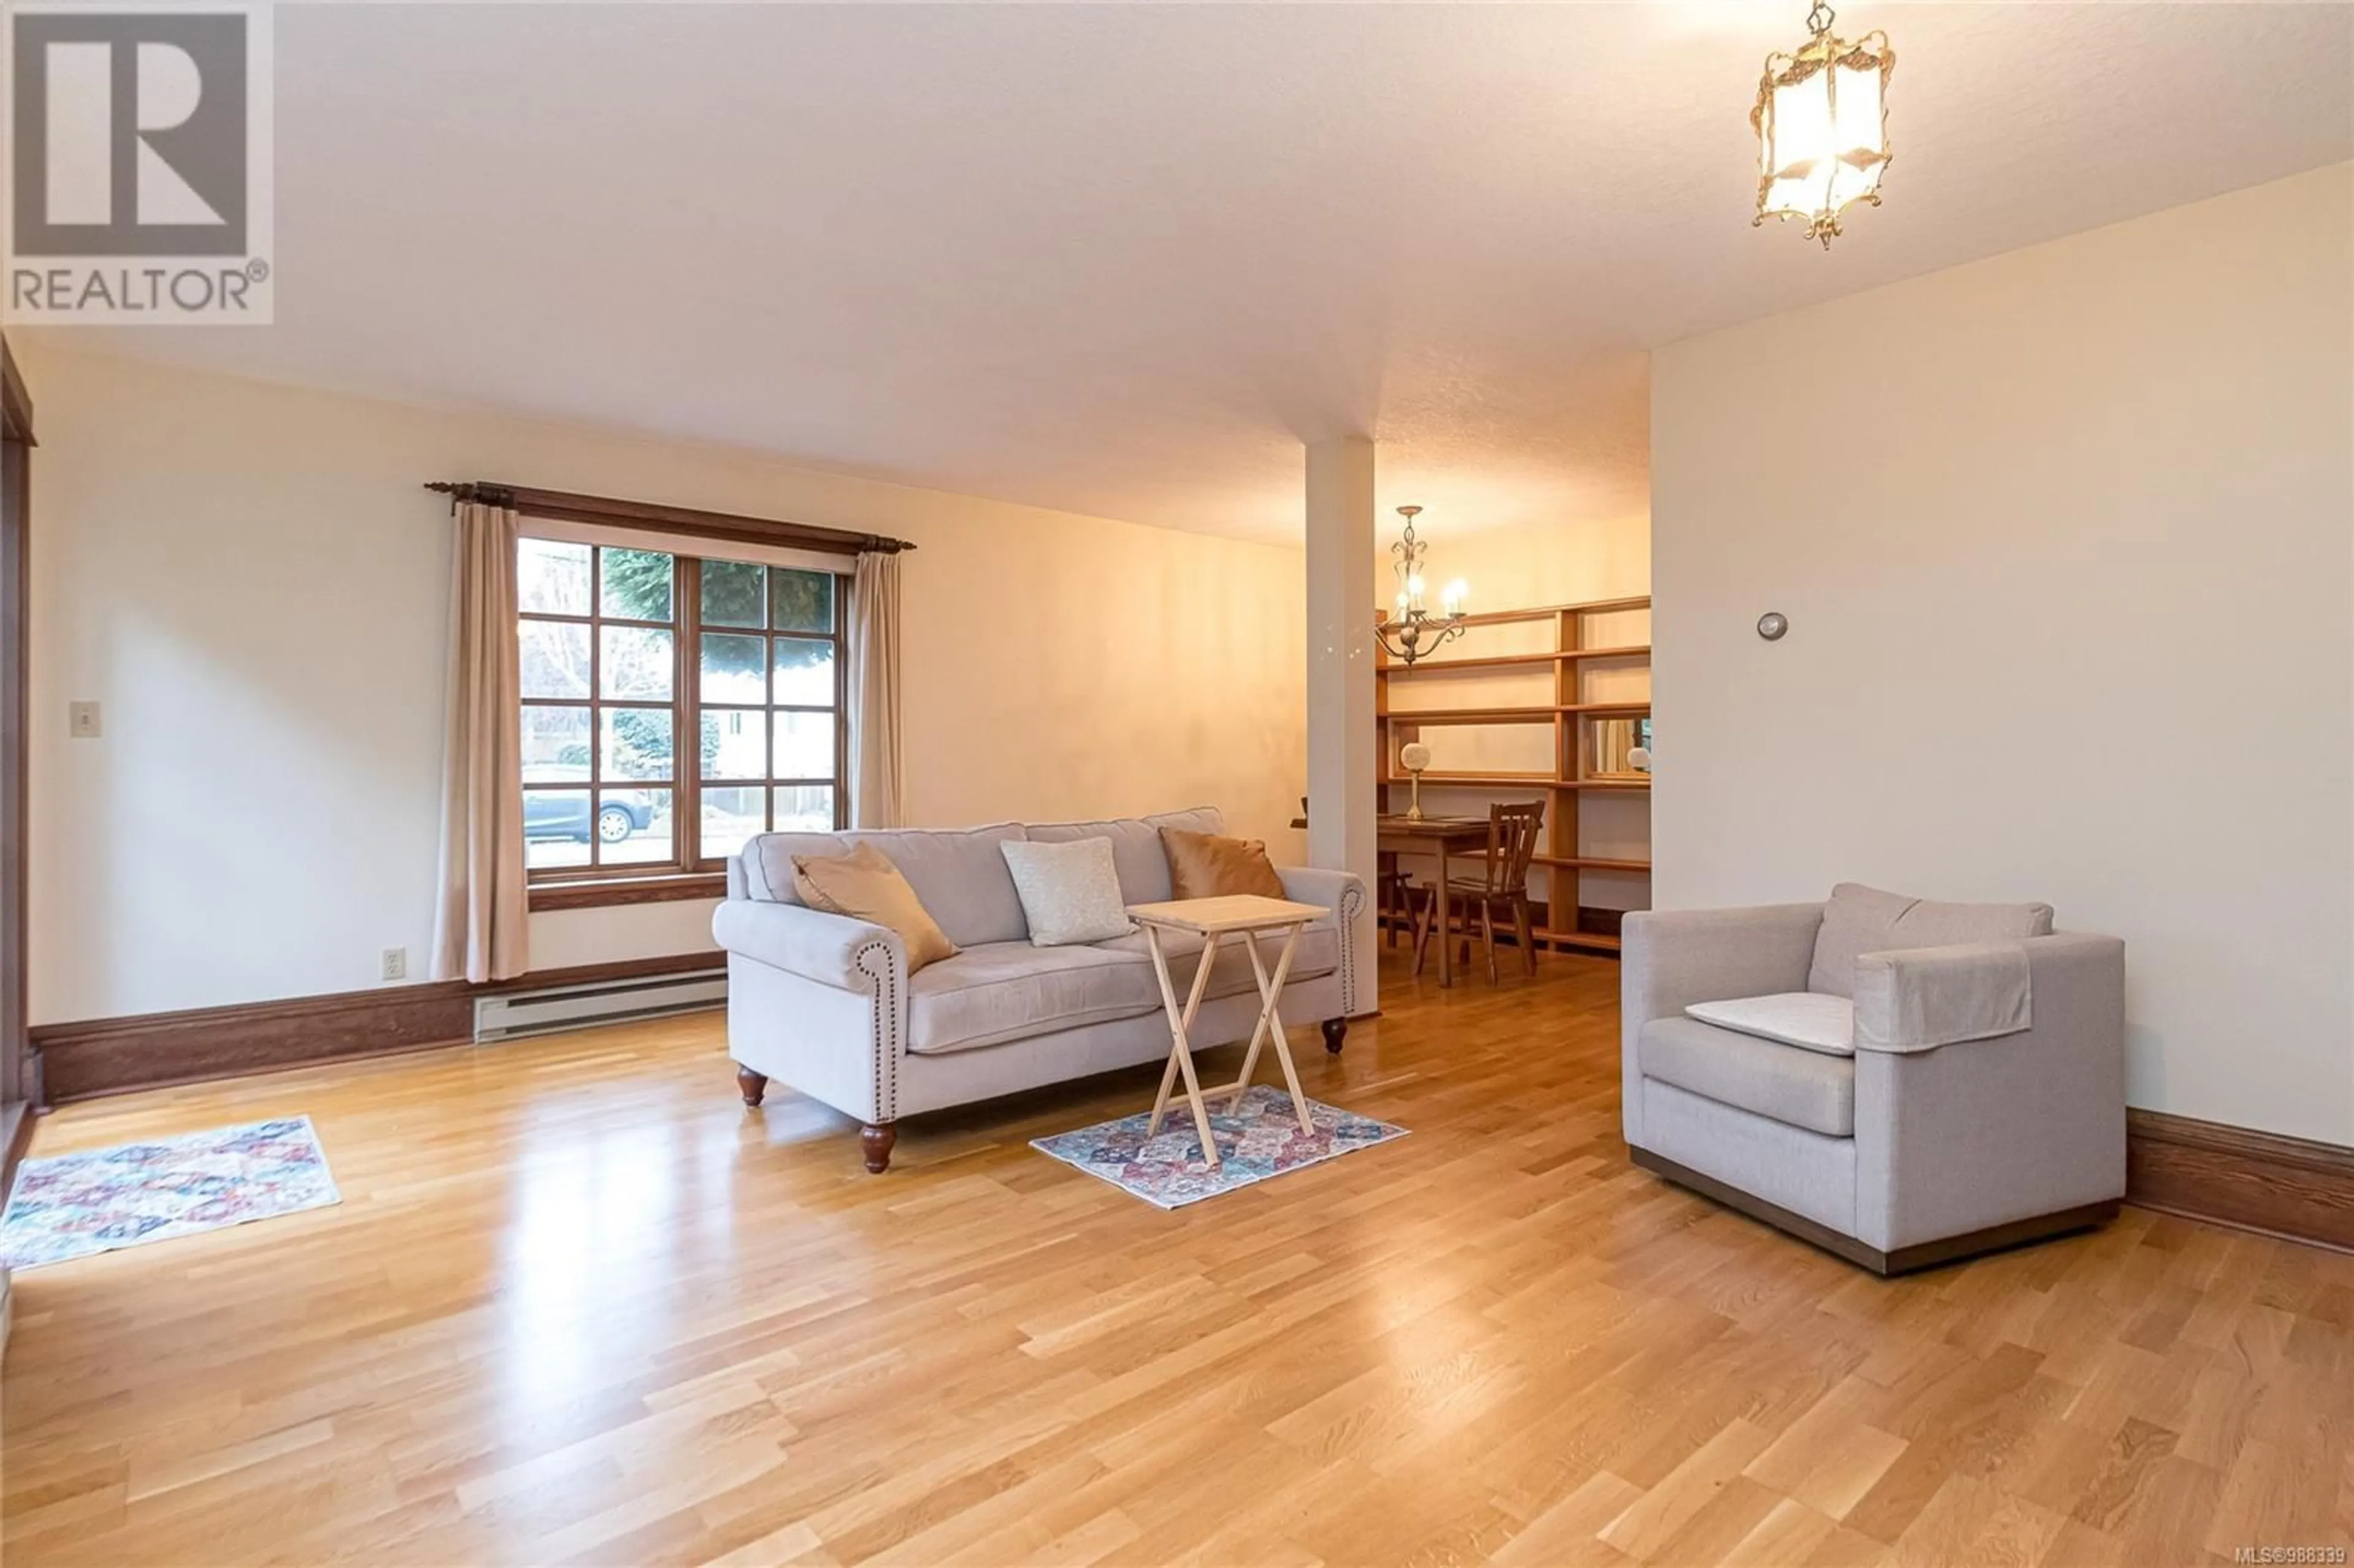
pixel 673 706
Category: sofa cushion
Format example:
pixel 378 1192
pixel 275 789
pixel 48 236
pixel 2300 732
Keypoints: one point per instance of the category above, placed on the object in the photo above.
pixel 1802 1018
pixel 1136 851
pixel 1070 894
pixel 1211 865
pixel 958 874
pixel 1859 919
pixel 996 992
pixel 865 885
pixel 1782 1083
pixel 1318 953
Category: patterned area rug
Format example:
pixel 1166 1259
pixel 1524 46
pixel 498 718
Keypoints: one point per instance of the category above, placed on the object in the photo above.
pixel 76 1204
pixel 1258 1139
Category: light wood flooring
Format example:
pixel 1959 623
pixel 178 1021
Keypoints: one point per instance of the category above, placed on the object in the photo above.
pixel 577 1305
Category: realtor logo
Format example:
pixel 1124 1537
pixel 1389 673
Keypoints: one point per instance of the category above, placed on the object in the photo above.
pixel 138 165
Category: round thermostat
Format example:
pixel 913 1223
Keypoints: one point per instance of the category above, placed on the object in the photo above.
pixel 1772 624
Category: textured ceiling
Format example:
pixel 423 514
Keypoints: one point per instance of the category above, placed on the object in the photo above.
pixel 1124 259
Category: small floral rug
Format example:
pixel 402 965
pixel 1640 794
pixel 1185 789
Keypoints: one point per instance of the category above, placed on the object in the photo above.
pixel 72 1205
pixel 1258 1139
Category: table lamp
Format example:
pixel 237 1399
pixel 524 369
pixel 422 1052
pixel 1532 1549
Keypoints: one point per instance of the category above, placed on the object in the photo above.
pixel 1414 756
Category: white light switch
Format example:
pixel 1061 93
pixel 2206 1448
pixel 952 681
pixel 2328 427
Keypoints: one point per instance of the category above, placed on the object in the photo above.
pixel 82 720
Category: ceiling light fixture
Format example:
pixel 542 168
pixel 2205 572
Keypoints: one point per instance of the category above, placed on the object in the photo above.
pixel 1412 622
pixel 1821 120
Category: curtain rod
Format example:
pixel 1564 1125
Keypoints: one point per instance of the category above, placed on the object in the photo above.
pixel 669 519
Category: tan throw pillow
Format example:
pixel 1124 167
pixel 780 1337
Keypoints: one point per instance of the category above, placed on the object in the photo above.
pixel 1209 865
pixel 865 885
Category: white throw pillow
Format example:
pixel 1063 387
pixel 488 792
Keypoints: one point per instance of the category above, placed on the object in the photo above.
pixel 1811 1019
pixel 1069 891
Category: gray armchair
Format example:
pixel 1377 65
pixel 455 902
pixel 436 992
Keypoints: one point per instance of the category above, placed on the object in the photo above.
pixel 1899 1082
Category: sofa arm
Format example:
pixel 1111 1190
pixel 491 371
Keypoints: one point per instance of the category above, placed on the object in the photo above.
pixel 1343 894
pixel 1972 1135
pixel 1671 960
pixel 831 949
pixel 1917 999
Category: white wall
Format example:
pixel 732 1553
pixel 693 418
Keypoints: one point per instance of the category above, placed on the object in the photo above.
pixel 252 581
pixel 2066 540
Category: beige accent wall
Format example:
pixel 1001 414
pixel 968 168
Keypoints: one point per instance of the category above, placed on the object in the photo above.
pixel 250 581
pixel 2066 541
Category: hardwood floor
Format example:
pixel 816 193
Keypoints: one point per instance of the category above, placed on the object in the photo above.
pixel 578 1304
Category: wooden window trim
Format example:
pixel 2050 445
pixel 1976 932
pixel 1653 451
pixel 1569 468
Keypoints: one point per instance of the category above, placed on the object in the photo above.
pixel 723 527
pixel 686 872
pixel 606 892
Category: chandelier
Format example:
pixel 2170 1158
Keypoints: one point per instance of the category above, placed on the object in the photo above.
pixel 1417 632
pixel 1821 120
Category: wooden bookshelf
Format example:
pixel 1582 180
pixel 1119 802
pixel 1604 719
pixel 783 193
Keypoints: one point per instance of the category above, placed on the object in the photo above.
pixel 1571 720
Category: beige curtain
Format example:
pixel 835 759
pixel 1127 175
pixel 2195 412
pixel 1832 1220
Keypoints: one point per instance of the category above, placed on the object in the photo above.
pixel 878 792
pixel 480 931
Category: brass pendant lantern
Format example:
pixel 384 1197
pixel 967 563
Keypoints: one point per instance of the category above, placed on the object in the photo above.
pixel 1822 127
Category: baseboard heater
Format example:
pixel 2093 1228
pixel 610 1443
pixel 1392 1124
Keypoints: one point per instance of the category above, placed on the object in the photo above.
pixel 514 1014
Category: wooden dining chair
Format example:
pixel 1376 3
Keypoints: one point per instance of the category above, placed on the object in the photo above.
pixel 1400 898
pixel 1503 883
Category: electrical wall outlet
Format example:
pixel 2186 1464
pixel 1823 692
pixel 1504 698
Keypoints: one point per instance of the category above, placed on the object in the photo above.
pixel 82 720
pixel 394 964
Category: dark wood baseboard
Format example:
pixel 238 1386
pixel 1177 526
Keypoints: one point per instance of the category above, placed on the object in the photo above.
pixel 1599 922
pixel 2287 1186
pixel 16 1136
pixel 1903 1259
pixel 112 1056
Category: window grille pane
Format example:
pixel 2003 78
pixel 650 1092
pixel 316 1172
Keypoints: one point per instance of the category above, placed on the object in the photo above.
pixel 636 583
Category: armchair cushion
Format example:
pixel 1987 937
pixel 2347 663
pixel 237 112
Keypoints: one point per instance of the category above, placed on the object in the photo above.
pixel 1811 1089
pixel 1859 920
pixel 1920 999
pixel 1800 1018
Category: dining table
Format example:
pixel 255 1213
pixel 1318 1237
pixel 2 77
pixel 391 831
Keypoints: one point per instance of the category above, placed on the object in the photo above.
pixel 1398 832
pixel 1402 832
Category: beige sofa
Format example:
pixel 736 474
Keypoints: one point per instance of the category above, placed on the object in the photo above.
pixel 1971 1096
pixel 825 1005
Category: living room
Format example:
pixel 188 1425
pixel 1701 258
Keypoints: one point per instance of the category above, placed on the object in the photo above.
pixel 607 827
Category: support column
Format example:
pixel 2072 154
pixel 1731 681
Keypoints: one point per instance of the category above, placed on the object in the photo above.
pixel 1340 732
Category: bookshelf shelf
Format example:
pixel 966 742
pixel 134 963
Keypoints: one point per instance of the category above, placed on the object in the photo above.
pixel 1591 863
pixel 1596 942
pixel 1506 661
pixel 1583 739
pixel 1542 714
pixel 1417 716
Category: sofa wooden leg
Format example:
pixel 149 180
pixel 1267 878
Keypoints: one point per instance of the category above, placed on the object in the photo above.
pixel 874 1140
pixel 753 1084
pixel 1336 1031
